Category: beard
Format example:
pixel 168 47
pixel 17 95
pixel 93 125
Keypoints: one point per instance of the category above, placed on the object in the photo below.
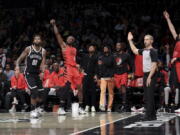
pixel 37 44
pixel 91 52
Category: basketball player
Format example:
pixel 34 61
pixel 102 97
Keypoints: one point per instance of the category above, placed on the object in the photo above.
pixel 121 72
pixel 176 54
pixel 35 57
pixel 72 74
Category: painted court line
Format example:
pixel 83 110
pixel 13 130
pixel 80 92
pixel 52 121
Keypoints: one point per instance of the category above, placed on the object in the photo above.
pixel 103 124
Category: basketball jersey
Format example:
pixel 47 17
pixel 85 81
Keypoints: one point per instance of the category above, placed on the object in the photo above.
pixel 69 55
pixel 176 52
pixel 33 60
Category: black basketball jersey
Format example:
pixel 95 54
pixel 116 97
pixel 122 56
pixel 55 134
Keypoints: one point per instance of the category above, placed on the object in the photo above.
pixel 33 60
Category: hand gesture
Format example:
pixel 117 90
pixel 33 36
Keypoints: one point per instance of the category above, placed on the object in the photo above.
pixel 52 22
pixel 130 36
pixel 173 60
pixel 166 14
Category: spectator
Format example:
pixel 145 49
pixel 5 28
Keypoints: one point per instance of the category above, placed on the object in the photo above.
pixel 2 58
pixel 106 65
pixel 18 92
pixel 9 73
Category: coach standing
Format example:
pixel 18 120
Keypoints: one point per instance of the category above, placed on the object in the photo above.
pixel 149 68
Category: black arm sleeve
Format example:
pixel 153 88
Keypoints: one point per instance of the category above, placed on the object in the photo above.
pixel 178 59
pixel 130 63
pixel 154 55
pixel 140 51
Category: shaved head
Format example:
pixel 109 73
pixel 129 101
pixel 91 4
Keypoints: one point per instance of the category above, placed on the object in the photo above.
pixel 149 37
pixel 148 40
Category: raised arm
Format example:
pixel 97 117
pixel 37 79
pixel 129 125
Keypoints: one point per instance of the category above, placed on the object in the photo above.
pixel 22 57
pixel 170 25
pixel 58 35
pixel 133 47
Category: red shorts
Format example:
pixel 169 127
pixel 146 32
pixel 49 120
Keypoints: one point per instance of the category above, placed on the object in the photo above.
pixel 121 79
pixel 73 76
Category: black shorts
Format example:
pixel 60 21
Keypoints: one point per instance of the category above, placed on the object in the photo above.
pixel 33 81
pixel 34 84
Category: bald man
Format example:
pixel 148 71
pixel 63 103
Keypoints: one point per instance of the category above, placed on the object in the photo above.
pixel 150 59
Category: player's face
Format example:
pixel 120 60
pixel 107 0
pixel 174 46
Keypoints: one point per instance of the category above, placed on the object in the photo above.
pixel 70 40
pixel 118 47
pixel 106 49
pixel 91 49
pixel 147 41
pixel 37 40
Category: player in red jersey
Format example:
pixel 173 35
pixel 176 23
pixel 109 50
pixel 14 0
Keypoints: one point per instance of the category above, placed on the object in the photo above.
pixel 72 74
pixel 175 62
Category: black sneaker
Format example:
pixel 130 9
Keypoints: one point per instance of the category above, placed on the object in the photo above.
pixel 161 109
pixel 167 108
pixel 122 109
pixel 24 108
pixel 172 109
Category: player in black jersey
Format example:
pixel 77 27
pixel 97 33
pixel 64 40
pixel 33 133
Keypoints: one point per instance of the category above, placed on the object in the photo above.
pixel 35 57
pixel 122 68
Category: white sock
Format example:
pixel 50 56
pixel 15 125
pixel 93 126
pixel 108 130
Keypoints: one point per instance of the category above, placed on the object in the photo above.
pixel 177 96
pixel 166 93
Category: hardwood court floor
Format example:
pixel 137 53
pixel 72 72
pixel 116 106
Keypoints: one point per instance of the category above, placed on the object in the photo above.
pixel 90 124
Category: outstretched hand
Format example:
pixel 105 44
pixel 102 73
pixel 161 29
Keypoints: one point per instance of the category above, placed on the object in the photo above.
pixel 52 22
pixel 166 14
pixel 130 36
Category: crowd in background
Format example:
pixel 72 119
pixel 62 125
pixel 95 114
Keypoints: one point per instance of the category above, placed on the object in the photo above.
pixel 96 23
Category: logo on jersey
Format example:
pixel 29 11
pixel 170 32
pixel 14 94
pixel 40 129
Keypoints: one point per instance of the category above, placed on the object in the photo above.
pixel 118 61
pixel 34 56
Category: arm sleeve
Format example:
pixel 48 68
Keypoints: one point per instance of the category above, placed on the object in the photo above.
pixel 178 59
pixel 130 63
pixel 154 55
pixel 140 51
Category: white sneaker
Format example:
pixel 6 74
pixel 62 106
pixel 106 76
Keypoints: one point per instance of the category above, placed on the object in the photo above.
pixel 40 111
pixel 177 111
pixel 61 111
pixel 102 108
pixel 13 109
pixel 34 114
pixel 15 102
pixel 133 109
pixel 109 110
pixel 93 109
pixel 81 111
pixel 142 109
pixel 87 108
